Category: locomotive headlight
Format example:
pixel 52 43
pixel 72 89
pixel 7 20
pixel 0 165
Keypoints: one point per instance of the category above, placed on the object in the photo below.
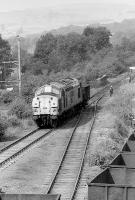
pixel 36 103
pixel 55 110
pixel 35 109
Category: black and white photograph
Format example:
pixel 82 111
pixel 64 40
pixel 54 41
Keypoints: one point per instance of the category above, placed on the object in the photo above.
pixel 67 100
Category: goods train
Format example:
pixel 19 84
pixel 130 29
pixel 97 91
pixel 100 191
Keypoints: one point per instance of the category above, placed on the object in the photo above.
pixel 117 181
pixel 58 100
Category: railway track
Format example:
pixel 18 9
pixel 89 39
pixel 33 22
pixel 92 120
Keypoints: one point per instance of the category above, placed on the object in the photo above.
pixel 9 154
pixel 92 100
pixel 12 151
pixel 82 188
pixel 17 141
pixel 67 175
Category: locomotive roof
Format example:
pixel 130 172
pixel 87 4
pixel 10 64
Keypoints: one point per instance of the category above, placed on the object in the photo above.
pixel 65 83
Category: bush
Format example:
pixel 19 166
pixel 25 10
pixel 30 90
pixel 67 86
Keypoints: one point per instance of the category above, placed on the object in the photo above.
pixel 105 150
pixel 3 125
pixel 121 128
pixel 29 85
pixel 30 122
pixel 14 121
pixel 7 97
pixel 116 136
pixel 121 103
pixel 20 108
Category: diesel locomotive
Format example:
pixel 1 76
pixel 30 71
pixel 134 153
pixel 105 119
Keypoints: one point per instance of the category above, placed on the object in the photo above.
pixel 58 100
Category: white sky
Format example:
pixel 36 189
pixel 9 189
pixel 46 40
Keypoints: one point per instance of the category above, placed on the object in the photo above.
pixel 8 5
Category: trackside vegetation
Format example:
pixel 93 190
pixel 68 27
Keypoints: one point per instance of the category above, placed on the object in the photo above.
pixel 113 125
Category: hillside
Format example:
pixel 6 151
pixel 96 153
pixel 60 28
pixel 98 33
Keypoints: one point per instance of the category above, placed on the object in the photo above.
pixel 118 30
pixel 126 26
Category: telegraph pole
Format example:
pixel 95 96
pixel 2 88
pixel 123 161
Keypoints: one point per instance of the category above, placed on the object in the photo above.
pixel 19 64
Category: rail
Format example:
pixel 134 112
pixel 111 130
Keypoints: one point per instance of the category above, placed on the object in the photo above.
pixel 84 153
pixel 62 158
pixel 17 141
pixel 17 153
pixel 28 135
pixel 31 133
pixel 52 182
pixel 39 138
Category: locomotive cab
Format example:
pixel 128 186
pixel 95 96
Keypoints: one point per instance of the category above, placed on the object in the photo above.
pixel 46 104
pixel 49 105
pixel 46 108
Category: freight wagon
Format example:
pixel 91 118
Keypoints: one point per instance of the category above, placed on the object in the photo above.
pixel 29 197
pixel 117 181
pixel 58 100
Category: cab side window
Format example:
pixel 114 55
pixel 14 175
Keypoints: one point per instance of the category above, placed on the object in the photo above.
pixel 79 93
pixel 64 99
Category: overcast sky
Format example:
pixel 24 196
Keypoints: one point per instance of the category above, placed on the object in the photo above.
pixel 8 5
pixel 57 13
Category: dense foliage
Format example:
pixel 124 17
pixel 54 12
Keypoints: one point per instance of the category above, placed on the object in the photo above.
pixel 20 109
pixel 5 56
pixel 3 125
pixel 89 54
pixel 63 52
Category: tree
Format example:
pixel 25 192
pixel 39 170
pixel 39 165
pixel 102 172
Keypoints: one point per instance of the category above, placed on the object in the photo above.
pixel 65 52
pixel 30 83
pixel 88 31
pixel 5 56
pixel 102 36
pixel 34 66
pixel 99 35
pixel 73 47
pixel 45 45
pixel 5 50
pixel 69 46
